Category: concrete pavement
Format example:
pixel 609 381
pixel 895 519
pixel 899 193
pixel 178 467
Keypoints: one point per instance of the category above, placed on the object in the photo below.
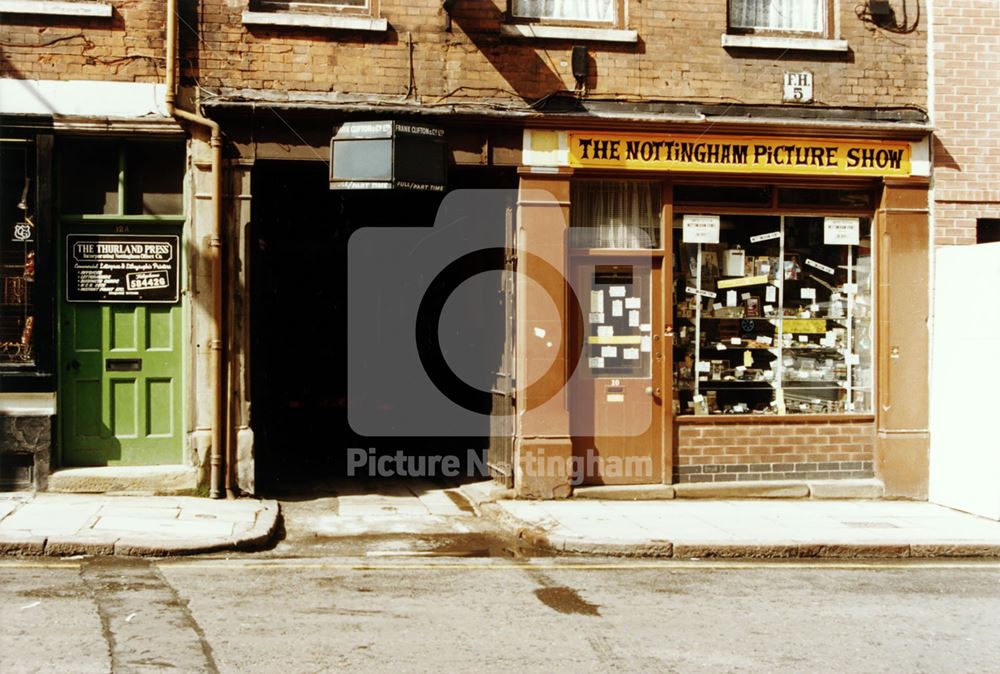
pixel 95 524
pixel 750 528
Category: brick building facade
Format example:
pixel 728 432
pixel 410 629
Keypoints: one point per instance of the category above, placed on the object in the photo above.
pixel 498 79
pixel 966 118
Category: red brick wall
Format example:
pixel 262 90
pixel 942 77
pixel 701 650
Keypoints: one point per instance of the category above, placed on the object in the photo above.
pixel 774 451
pixel 967 117
pixel 679 57
pixel 127 47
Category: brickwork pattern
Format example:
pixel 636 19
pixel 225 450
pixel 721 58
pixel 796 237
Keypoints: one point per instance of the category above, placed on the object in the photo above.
pixel 127 47
pixel 730 452
pixel 679 57
pixel 967 117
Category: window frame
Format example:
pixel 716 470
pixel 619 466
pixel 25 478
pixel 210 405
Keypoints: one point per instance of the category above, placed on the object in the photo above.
pixel 370 9
pixel 620 20
pixel 828 31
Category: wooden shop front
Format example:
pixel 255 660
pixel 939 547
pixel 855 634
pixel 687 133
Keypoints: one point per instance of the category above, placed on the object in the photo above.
pixel 696 306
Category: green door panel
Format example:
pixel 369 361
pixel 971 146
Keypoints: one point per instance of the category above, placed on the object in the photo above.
pixel 120 389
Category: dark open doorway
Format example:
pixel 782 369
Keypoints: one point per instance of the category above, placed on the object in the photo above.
pixel 299 390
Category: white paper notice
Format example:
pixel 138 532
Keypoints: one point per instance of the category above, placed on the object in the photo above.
pixel 596 318
pixel 731 298
pixel 841 231
pixel 616 291
pixel 704 367
pixel 596 363
pixel 808 293
pixel 646 344
pixel 803 338
pixel 850 288
pixel 764 339
pixel 540 333
pixel 597 301
pixel 720 347
pixel 630 354
pixel 609 352
pixel 633 319
pixel 821 267
pixel 701 229
pixel 616 308
pixel 736 341
pixel 717 306
pixel 745 296
pixel 771 294
pixel 632 302
pixel 765 237
pixel 605 331
pixel 645 327
pixel 853 359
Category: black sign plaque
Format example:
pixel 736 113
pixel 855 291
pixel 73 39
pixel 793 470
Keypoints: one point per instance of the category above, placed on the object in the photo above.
pixel 139 269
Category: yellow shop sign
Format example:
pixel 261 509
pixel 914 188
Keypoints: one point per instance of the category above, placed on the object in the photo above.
pixel 733 154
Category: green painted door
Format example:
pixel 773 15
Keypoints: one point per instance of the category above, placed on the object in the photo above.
pixel 120 390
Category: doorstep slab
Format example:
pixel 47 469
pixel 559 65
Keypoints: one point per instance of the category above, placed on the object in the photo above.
pixel 156 480
pixel 731 490
pixel 625 492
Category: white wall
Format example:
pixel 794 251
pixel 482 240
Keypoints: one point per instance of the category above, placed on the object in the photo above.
pixel 965 380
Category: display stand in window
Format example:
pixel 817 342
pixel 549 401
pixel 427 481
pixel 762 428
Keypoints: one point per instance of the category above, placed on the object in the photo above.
pixel 774 319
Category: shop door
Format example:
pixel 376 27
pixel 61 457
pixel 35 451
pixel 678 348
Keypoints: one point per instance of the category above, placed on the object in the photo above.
pixel 120 394
pixel 616 394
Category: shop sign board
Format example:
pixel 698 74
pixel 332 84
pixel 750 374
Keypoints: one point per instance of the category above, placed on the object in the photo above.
pixel 738 154
pixel 125 268
pixel 701 229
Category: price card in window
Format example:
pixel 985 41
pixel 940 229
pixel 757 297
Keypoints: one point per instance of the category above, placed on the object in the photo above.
pixel 701 229
pixel 841 231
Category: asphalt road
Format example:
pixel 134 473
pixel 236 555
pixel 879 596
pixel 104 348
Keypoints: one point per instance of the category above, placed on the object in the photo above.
pixel 463 610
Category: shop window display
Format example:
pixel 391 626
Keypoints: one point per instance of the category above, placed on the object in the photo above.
pixel 775 318
pixel 17 257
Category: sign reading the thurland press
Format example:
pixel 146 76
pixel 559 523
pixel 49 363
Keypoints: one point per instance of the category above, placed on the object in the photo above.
pixel 122 268
pixel 802 156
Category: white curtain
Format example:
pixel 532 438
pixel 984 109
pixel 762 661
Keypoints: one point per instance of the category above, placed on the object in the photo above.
pixel 569 10
pixel 791 15
pixel 615 214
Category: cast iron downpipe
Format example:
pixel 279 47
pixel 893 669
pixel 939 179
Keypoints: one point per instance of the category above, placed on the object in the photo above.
pixel 214 253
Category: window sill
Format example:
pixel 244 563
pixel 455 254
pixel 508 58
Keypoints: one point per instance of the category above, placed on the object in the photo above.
pixel 332 22
pixel 792 43
pixel 90 9
pixel 542 32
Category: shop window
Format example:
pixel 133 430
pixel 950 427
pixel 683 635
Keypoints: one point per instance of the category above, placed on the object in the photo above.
pixel 577 11
pixel 731 195
pixel 18 253
pixel 778 16
pixel 776 318
pixel 110 177
pixel 618 214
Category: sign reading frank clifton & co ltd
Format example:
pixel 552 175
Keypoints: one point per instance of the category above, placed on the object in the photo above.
pixel 803 156
pixel 122 268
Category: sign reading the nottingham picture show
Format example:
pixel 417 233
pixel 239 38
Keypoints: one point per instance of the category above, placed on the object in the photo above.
pixel 122 268
pixel 667 152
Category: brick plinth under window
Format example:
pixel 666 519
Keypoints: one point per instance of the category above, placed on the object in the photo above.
pixel 779 451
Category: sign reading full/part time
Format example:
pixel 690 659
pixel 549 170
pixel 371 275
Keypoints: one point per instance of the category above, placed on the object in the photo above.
pixel 122 268
pixel 666 152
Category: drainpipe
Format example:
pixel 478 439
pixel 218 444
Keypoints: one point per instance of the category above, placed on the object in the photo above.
pixel 214 252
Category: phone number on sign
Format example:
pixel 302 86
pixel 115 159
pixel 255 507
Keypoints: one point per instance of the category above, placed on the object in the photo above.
pixel 141 281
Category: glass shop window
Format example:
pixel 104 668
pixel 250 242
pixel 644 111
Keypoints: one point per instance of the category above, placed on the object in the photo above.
pixel 776 318
pixel 615 214
pixel 17 256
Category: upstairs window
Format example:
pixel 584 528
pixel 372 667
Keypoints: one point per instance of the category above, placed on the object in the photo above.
pixel 323 6
pixel 778 16
pixel 576 11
